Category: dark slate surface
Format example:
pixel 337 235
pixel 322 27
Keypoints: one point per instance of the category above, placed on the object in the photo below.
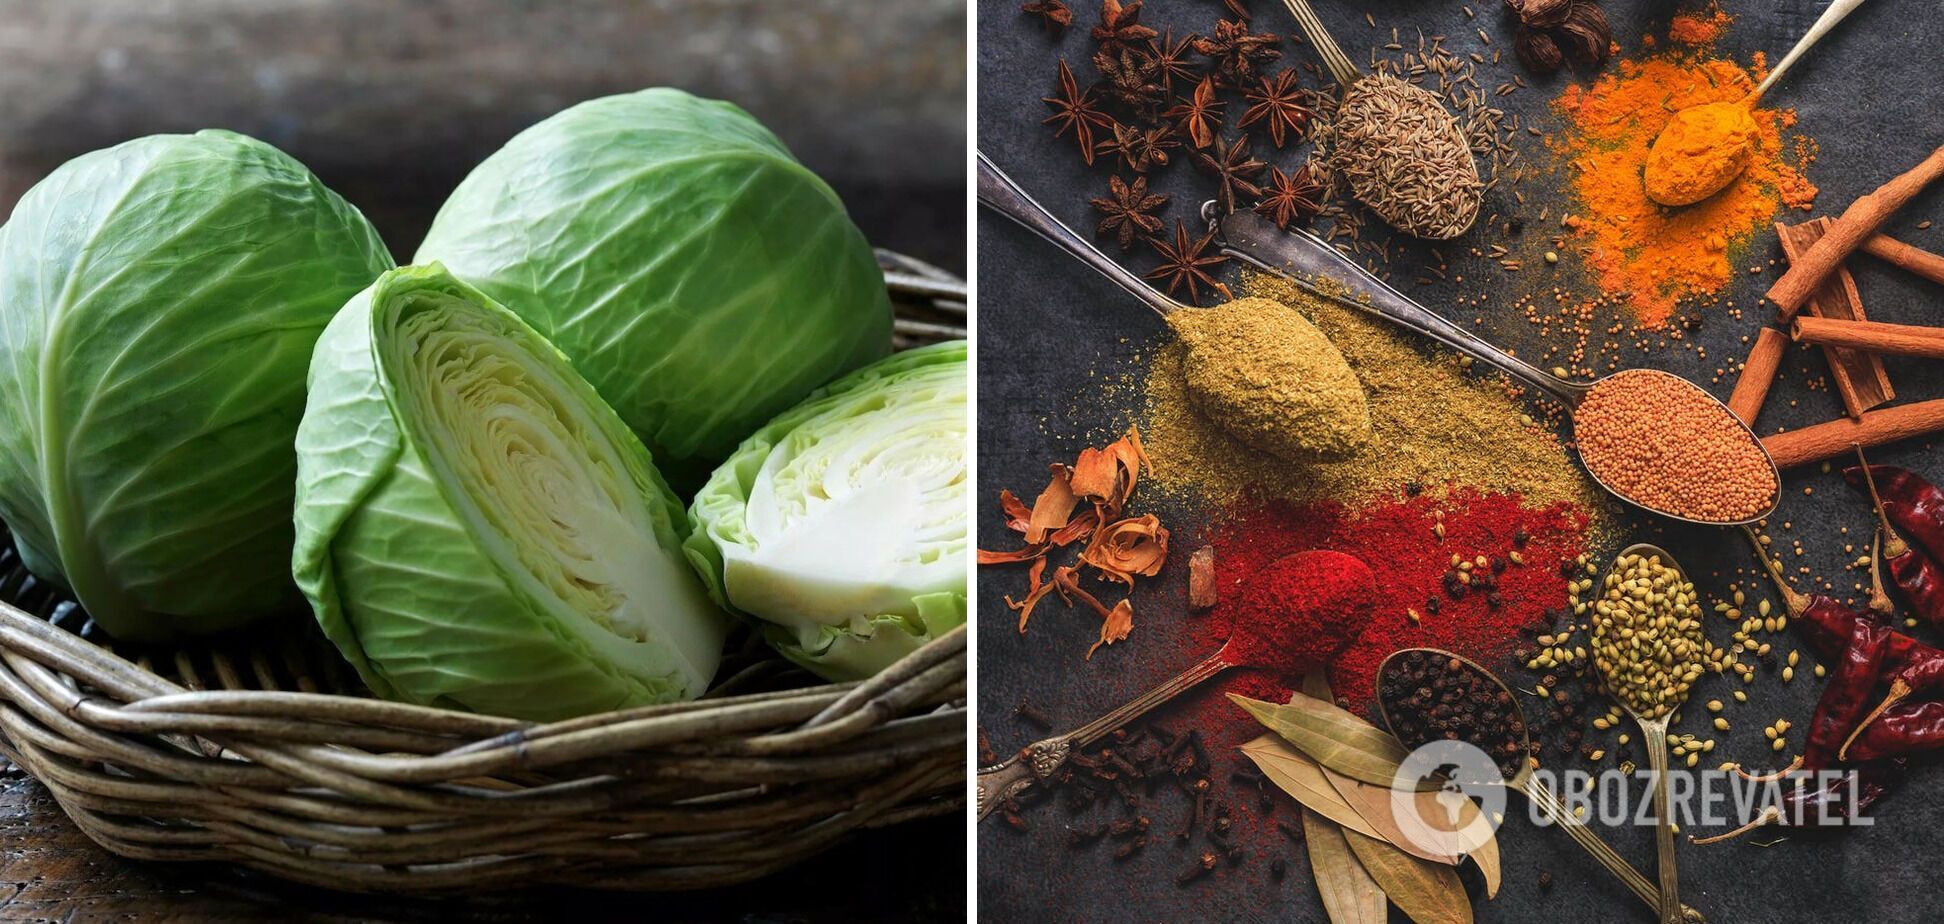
pixel 1051 333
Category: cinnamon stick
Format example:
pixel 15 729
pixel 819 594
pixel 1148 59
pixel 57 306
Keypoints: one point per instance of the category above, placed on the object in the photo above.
pixel 1906 257
pixel 1872 336
pixel 1859 378
pixel 1856 224
pixel 1757 374
pixel 1829 440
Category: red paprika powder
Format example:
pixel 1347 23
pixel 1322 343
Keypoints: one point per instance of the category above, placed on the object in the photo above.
pixel 1408 544
pixel 1299 611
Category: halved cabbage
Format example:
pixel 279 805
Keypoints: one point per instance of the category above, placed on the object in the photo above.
pixel 475 528
pixel 841 523
pixel 699 276
pixel 158 304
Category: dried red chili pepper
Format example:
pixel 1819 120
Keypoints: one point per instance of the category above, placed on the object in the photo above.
pixel 1917 506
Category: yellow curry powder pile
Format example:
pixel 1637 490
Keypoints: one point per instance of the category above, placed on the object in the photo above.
pixel 1434 424
pixel 1655 254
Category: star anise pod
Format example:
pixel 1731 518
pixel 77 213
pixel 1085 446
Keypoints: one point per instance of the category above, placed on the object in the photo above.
pixel 1236 52
pixel 1234 170
pixel 1124 210
pixel 1236 7
pixel 1171 58
pixel 1120 24
pixel 1182 263
pixel 1291 196
pixel 1074 109
pixel 1053 15
pixel 1200 115
pixel 1140 148
pixel 1279 103
pixel 1132 77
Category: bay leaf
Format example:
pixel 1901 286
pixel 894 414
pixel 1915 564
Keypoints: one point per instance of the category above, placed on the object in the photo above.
pixel 1350 894
pixel 1333 737
pixel 1427 892
pixel 1316 685
pixel 1486 855
pixel 1407 831
pixel 1303 779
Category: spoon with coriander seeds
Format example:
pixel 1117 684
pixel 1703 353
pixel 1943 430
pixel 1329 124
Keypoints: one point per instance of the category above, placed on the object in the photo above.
pixel 1650 438
pixel 1255 367
pixel 1649 648
pixel 1395 142
pixel 1290 635
pixel 1704 147
pixel 1413 682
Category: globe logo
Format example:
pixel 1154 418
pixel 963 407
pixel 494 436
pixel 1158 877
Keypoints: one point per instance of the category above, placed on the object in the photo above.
pixel 1433 793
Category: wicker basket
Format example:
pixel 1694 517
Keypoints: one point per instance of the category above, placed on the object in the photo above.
pixel 264 750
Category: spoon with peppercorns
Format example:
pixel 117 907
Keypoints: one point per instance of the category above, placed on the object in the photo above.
pixel 1648 437
pixel 1415 692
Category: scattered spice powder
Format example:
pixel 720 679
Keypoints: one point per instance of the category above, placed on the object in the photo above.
pixel 1520 585
pixel 1658 255
pixel 1696 29
pixel 1433 423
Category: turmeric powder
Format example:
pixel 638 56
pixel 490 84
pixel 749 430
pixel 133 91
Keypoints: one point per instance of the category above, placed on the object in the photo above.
pixel 1702 149
pixel 1659 256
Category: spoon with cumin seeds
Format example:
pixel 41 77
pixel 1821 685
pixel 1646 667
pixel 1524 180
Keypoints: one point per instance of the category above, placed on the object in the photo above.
pixel 1395 142
pixel 1255 367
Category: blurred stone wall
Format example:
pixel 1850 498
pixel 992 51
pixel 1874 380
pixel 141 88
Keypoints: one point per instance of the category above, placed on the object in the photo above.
pixel 392 101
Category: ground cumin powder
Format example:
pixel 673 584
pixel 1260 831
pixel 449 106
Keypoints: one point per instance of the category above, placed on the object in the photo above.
pixel 1272 380
pixel 1655 254
pixel 1433 424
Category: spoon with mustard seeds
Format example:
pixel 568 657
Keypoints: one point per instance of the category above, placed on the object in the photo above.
pixel 1648 437
pixel 1522 779
pixel 1704 147
pixel 1255 367
pixel 1649 648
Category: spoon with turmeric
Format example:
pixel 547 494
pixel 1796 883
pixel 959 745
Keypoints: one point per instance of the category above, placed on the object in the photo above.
pixel 1704 148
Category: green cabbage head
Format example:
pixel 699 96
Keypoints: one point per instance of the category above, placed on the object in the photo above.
pixel 841 523
pixel 693 270
pixel 476 529
pixel 158 304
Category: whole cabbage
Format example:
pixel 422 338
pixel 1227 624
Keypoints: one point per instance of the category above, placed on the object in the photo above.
pixel 841 523
pixel 698 275
pixel 158 303
pixel 476 529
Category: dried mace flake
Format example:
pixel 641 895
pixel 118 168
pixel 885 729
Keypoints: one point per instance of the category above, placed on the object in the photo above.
pixel 1201 578
pixel 1125 210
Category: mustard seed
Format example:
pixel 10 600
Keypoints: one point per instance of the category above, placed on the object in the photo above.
pixel 1661 442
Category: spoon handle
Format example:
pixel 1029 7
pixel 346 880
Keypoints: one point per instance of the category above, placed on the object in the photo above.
pixel 1653 735
pixel 1543 797
pixel 1830 17
pixel 1043 758
pixel 998 192
pixel 1296 255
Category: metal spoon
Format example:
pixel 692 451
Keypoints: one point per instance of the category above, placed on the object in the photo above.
pixel 1301 258
pixel 1524 781
pixel 1832 15
pixel 1653 733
